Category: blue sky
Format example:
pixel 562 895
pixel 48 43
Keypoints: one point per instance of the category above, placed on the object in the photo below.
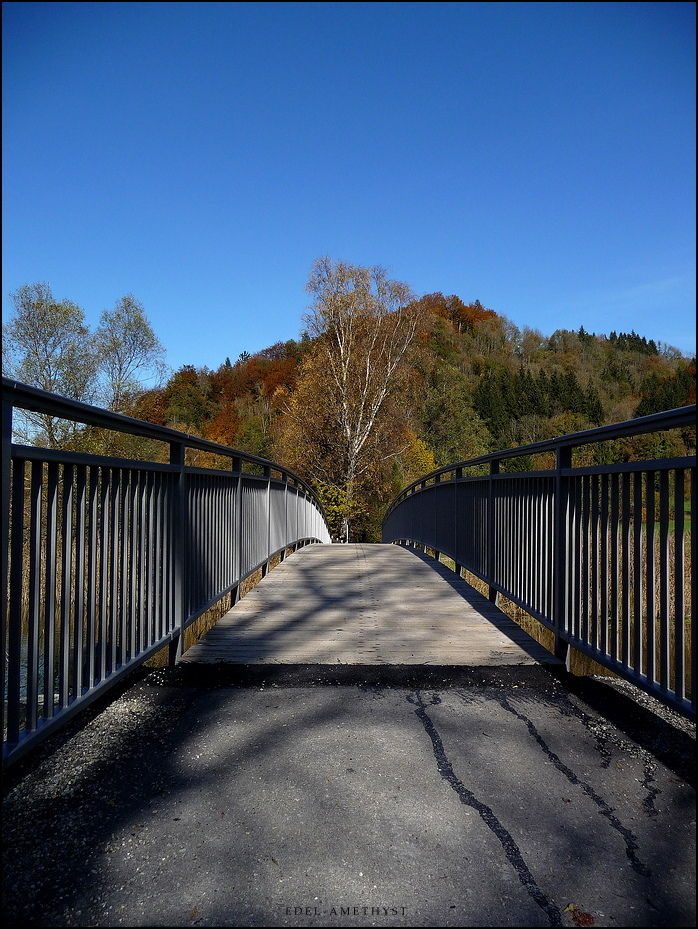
pixel 539 157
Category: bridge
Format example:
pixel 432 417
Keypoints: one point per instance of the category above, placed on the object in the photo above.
pixel 109 561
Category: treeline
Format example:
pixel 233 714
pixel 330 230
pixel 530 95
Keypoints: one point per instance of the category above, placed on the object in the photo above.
pixel 475 383
pixel 468 382
pixel 503 397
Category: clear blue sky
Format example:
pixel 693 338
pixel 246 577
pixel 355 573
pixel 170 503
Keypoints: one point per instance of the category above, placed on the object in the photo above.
pixel 539 157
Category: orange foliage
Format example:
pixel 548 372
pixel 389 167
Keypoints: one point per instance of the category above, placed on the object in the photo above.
pixel 150 407
pixel 462 316
pixel 224 427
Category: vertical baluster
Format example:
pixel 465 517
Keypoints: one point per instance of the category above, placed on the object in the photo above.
pixel 66 587
pixel 134 573
pixel 603 567
pixel 34 604
pixel 523 533
pixel 551 549
pixel 226 518
pixel 201 539
pixel 192 555
pixel 178 547
pixel 229 517
pixel 650 578
pixel 215 507
pixel 210 572
pixel 541 530
pixel 585 600
pixel 625 569
pixel 159 564
pixel 151 558
pixel 50 583
pixel 211 527
pixel 614 532
pixel 638 622
pixel 106 543
pixel 213 504
pixel 575 591
pixel 207 542
pixel 148 553
pixel 92 555
pixel 493 550
pixel 167 581
pixel 79 582
pixel 518 555
pixel 5 519
pixel 114 587
pixel 525 555
pixel 679 631
pixel 664 561
pixel 562 554
pixel 14 632
pixel 694 605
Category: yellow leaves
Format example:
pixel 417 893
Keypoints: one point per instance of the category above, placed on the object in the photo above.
pixel 417 459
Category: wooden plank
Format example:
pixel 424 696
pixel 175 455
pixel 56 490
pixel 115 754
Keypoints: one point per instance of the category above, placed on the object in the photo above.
pixel 365 604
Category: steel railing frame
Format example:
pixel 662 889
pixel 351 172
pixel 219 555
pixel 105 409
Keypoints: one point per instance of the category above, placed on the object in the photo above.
pixel 573 547
pixel 108 560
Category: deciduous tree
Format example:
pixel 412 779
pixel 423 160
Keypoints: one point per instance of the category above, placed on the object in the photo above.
pixel 48 345
pixel 129 352
pixel 363 330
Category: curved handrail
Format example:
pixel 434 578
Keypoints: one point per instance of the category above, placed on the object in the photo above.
pixel 576 549
pixel 23 396
pixel 108 560
pixel 655 422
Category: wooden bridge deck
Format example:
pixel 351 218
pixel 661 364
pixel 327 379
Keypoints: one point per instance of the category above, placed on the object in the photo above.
pixel 367 605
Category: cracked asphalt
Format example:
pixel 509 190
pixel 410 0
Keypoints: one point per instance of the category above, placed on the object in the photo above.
pixel 308 796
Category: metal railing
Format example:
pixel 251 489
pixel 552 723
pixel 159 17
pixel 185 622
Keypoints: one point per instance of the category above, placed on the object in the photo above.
pixel 106 561
pixel 601 555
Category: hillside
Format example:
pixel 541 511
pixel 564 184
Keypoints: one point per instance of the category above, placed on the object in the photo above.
pixel 473 383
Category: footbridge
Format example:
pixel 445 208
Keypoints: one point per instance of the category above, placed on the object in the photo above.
pixel 109 560
pixel 345 734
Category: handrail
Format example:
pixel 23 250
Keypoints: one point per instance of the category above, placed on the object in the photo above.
pixel 655 422
pixel 22 396
pixel 107 560
pixel 600 555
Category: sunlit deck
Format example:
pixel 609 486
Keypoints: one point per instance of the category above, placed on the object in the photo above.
pixel 365 604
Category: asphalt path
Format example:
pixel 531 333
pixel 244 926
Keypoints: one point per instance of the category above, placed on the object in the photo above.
pixel 311 796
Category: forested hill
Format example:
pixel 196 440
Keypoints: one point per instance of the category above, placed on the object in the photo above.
pixel 474 383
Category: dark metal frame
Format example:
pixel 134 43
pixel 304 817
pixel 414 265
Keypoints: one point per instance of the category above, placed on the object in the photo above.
pixel 575 549
pixel 106 560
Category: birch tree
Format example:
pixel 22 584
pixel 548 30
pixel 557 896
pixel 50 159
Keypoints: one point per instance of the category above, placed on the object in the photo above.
pixel 363 328
pixel 129 352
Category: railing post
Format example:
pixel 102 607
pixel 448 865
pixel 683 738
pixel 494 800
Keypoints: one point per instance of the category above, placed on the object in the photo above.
pixel 236 465
pixel 267 475
pixel 177 458
pixel 493 593
pixel 457 476
pixel 285 534
pixel 561 553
